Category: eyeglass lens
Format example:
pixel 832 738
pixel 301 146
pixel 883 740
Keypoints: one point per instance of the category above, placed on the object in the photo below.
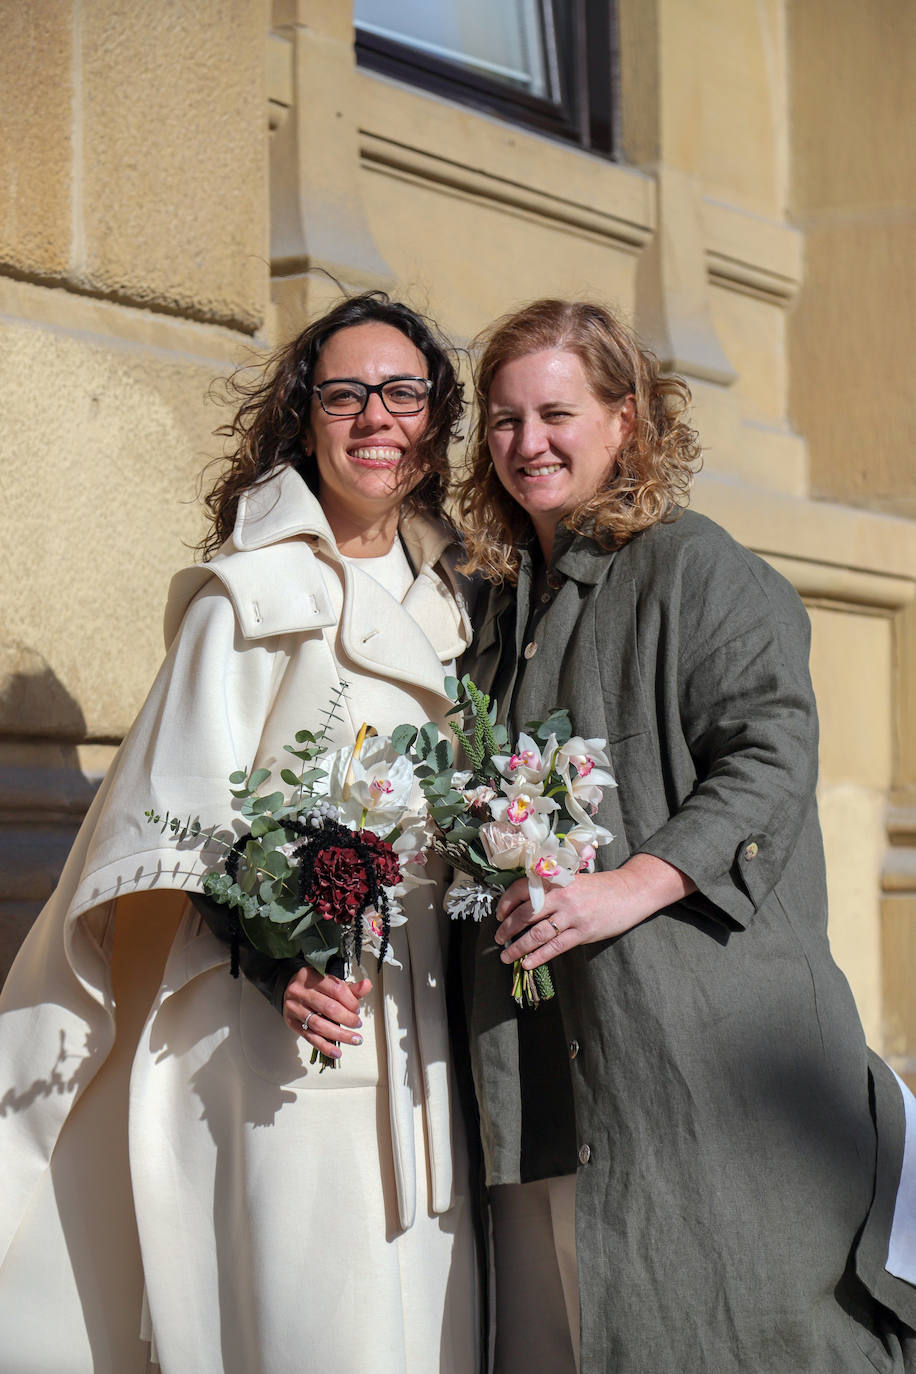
pixel 401 396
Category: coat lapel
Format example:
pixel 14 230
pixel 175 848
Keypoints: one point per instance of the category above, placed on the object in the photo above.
pixel 408 642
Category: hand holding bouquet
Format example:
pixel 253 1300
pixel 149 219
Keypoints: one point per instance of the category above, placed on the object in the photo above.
pixel 525 812
pixel 320 870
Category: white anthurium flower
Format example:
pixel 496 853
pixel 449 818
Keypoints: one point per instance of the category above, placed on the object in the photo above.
pixel 506 846
pixel 372 928
pixel 555 864
pixel 523 802
pixel 373 790
pixel 530 762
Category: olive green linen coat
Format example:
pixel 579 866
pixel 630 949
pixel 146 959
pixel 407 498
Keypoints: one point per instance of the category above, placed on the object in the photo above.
pixel 726 1144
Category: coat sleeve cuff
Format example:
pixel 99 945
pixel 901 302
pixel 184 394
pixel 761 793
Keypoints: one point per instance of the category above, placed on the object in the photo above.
pixel 732 892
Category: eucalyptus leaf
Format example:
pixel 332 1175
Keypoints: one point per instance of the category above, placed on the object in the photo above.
pixel 307 920
pixel 402 738
pixel 444 755
pixel 273 839
pixel 238 776
pixel 451 687
pixel 258 776
pixel 276 864
pixel 269 803
pixel 319 956
pixel 427 739
pixel 267 937
pixel 289 777
pixel 304 737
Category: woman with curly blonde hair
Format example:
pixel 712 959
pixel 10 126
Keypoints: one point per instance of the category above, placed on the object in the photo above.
pixel 692 1159
pixel 651 475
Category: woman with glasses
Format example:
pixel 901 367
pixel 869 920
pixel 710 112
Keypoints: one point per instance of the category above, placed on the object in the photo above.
pixel 286 1219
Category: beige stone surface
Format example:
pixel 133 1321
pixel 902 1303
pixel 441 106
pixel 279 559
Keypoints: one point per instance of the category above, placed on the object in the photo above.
pixel 851 667
pixel 703 90
pixel 527 255
pixel 853 98
pixel 898 931
pixel 35 142
pixel 851 357
pixel 853 190
pixel 170 130
pixel 99 461
pixel 854 842
pixel 752 332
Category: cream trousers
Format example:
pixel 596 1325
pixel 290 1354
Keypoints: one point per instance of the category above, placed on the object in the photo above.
pixel 537 1282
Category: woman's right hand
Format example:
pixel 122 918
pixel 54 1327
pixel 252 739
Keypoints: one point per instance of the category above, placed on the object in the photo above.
pixel 329 1005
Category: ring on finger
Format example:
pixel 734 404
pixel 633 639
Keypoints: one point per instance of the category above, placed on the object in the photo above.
pixel 305 1023
pixel 556 928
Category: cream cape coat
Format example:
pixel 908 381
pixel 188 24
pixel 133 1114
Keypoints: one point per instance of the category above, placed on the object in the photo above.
pixel 267 629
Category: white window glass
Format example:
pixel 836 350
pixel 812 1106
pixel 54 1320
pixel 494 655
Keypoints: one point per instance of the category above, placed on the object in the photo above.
pixel 505 40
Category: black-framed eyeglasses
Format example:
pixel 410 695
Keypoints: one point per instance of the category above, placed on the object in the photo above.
pixel 400 395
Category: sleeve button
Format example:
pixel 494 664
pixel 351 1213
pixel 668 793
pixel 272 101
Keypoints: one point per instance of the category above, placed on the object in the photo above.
pixel 752 851
pixel 585 1154
pixel 531 649
pixel 573 1048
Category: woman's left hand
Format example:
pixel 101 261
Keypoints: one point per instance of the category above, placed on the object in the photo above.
pixel 594 906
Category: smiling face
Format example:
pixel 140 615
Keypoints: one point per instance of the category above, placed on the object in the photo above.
pixel 360 482
pixel 552 442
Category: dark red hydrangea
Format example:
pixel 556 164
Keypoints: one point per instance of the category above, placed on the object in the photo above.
pixel 339 888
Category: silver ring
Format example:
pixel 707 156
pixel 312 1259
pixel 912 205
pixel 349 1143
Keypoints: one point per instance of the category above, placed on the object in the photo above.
pixel 554 924
pixel 305 1023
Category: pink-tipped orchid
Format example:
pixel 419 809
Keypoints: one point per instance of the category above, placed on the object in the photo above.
pixel 530 762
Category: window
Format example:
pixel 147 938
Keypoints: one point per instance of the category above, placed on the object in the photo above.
pixel 548 64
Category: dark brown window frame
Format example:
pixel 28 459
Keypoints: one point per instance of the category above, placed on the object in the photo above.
pixel 585 112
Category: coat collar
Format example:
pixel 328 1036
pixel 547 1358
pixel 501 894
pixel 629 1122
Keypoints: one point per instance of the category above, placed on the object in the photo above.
pixel 579 557
pixel 377 633
pixel 282 507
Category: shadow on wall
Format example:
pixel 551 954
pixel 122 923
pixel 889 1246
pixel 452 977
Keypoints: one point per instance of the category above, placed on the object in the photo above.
pixel 44 792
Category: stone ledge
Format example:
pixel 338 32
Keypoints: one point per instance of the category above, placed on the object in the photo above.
pixel 57 309
pixel 488 159
pixel 818 534
pixel 748 253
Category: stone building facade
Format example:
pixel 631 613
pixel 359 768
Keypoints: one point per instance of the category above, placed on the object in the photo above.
pixel 172 172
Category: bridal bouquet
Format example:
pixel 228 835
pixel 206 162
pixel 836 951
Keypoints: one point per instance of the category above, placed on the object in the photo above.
pixel 321 868
pixel 520 812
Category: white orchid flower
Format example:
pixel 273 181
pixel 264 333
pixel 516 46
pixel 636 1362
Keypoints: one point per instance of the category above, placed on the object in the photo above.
pixel 589 758
pixel 372 929
pixel 586 838
pixel 529 762
pixel 522 803
pixel 411 846
pixel 555 864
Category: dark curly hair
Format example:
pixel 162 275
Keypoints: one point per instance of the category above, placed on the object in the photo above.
pixel 269 427
pixel 651 478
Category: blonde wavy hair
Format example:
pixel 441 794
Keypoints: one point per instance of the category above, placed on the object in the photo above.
pixel 651 479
